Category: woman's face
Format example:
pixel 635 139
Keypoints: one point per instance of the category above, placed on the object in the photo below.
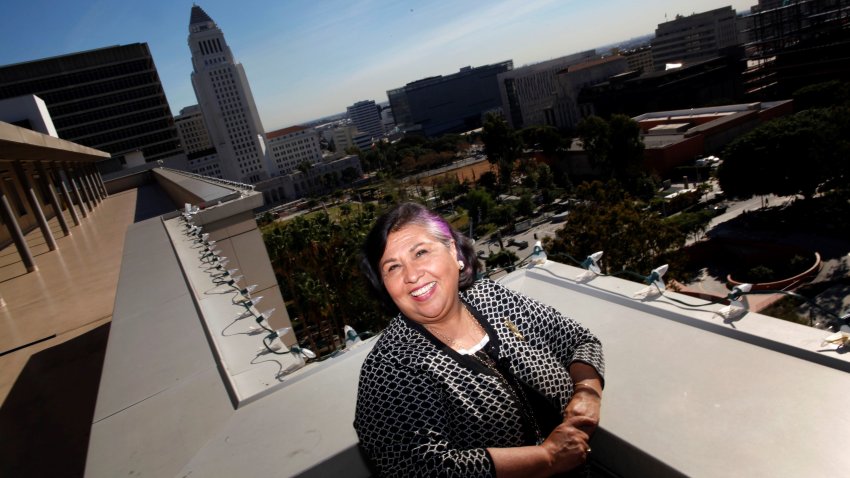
pixel 420 273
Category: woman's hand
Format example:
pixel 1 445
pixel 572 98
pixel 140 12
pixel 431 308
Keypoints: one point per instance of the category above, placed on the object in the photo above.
pixel 585 403
pixel 587 395
pixel 567 445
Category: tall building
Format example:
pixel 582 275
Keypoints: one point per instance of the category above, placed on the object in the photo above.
pixel 639 59
pixel 366 116
pixel 290 147
pixel 200 153
pixel 565 113
pixel 448 104
pixel 347 136
pixel 529 93
pixel 109 99
pixel 696 37
pixel 226 103
pixel 795 44
pixel 713 81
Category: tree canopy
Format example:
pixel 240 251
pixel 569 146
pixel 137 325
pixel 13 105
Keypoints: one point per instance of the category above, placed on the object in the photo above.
pixel 502 146
pixel 606 218
pixel 616 149
pixel 799 154
pixel 315 260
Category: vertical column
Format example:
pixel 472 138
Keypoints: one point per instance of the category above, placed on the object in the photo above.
pixel 78 179
pixel 47 185
pixel 11 221
pixel 75 189
pixel 66 196
pixel 34 204
pixel 98 181
pixel 95 195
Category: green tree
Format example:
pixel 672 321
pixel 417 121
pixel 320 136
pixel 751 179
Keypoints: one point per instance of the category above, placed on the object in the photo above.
pixel 626 154
pixel 525 205
pixel 547 139
pixel 798 154
pixel 545 179
pixel 316 264
pixel 606 218
pixel 616 149
pixel 479 203
pixel 502 214
pixel 822 95
pixel 502 147
pixel 595 136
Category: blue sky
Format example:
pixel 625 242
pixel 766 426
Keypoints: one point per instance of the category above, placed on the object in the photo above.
pixel 311 58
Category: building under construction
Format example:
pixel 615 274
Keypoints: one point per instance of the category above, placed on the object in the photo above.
pixel 791 44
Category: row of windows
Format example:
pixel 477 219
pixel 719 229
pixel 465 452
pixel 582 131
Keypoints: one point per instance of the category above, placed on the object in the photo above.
pixel 132 138
pixel 111 111
pixel 82 132
pixel 295 149
pixel 82 104
pixel 210 46
pixel 213 61
pixel 221 74
pixel 279 144
pixel 155 146
pixel 104 87
pixel 63 80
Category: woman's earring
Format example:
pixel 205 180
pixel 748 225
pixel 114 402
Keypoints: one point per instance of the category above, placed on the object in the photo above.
pixel 460 264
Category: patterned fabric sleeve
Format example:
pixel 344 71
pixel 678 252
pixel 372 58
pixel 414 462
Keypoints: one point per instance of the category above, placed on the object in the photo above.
pixel 402 426
pixel 566 338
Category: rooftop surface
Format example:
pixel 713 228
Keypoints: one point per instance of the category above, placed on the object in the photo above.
pixel 688 393
pixel 53 333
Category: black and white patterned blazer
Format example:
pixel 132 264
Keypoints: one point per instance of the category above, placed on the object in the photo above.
pixel 425 410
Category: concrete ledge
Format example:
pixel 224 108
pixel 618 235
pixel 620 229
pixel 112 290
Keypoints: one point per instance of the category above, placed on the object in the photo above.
pixel 689 394
pixel 236 342
pixel 188 189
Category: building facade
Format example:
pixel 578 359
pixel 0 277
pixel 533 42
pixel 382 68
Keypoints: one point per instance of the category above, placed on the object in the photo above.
pixel 320 178
pixel 565 112
pixel 291 147
pixel 713 81
pixel 448 104
pixel 795 44
pixel 693 38
pixel 347 136
pixel 366 116
pixel 533 94
pixel 639 59
pixel 110 99
pixel 200 153
pixel 226 102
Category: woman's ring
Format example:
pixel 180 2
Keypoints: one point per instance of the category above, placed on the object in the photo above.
pixel 588 450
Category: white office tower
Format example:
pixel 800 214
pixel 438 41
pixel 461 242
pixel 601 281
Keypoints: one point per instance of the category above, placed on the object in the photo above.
pixel 367 118
pixel 226 102
pixel 195 140
pixel 291 147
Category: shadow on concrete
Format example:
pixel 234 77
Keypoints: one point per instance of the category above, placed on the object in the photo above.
pixel 45 422
pixel 152 201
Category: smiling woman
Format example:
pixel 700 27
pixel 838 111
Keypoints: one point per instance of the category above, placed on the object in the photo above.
pixel 470 378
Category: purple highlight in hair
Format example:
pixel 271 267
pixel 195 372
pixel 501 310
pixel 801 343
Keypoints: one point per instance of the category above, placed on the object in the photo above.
pixel 439 223
pixel 433 222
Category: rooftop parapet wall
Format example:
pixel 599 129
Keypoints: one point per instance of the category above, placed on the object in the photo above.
pixel 233 333
pixel 184 188
pixel 226 215
pixel 685 386
pixel 686 393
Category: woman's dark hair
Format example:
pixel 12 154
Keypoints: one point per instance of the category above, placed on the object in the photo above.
pixel 398 217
